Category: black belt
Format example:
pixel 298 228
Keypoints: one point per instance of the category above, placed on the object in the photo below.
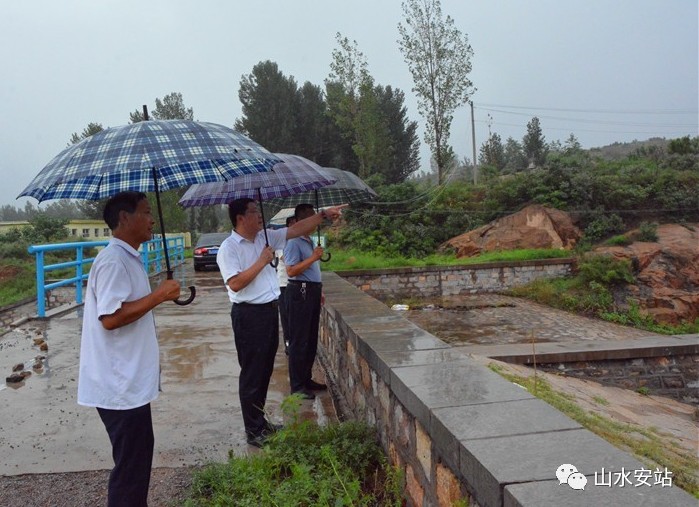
pixel 304 282
pixel 259 305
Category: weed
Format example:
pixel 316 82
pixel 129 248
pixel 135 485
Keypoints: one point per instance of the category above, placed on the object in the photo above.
pixel 600 401
pixel 304 464
pixel 643 391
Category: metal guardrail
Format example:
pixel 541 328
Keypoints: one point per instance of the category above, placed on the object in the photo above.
pixel 152 257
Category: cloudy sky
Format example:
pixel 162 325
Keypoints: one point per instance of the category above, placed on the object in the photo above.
pixel 605 70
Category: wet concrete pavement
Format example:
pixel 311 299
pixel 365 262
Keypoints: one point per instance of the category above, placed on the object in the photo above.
pixel 196 419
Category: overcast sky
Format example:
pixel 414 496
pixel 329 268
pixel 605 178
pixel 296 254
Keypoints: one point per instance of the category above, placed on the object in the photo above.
pixel 605 70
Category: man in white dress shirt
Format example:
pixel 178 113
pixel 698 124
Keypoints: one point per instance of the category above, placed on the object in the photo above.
pixel 119 356
pixel 244 261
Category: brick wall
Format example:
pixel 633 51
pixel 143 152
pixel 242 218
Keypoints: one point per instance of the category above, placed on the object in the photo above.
pixel 433 281
pixel 673 376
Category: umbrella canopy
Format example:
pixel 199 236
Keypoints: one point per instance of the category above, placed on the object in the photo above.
pixel 149 156
pixel 347 189
pixel 182 152
pixel 295 174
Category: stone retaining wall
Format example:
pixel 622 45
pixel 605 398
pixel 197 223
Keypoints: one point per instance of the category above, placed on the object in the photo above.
pixel 431 281
pixel 26 309
pixel 456 428
pixel 672 376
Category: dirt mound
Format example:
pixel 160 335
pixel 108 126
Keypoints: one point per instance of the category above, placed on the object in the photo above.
pixel 667 272
pixel 8 272
pixel 535 226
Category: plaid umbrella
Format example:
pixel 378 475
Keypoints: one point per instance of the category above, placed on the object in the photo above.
pixel 295 174
pixel 347 189
pixel 182 152
pixel 149 156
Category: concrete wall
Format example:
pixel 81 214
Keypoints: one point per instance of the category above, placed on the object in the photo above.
pixel 430 281
pixel 456 428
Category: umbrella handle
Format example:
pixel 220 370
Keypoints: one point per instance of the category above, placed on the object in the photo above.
pixel 275 262
pixel 192 294
pixel 326 257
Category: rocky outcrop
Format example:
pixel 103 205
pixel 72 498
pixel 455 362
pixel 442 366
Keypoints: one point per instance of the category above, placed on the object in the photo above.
pixel 667 272
pixel 535 226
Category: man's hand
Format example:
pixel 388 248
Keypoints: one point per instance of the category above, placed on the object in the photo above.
pixel 168 290
pixel 317 253
pixel 334 213
pixel 267 255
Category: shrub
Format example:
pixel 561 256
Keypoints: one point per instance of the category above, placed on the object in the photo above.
pixel 648 231
pixel 605 270
pixel 619 240
pixel 603 226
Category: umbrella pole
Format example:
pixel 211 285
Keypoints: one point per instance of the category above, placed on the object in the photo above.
pixel 327 255
pixel 275 262
pixel 192 290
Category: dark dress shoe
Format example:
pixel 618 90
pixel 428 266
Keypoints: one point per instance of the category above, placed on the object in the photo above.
pixel 305 394
pixel 273 428
pixel 315 386
pixel 257 440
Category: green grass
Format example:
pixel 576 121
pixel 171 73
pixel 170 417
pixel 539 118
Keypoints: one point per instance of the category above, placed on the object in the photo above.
pixel 354 259
pixel 21 285
pixel 649 445
pixel 304 464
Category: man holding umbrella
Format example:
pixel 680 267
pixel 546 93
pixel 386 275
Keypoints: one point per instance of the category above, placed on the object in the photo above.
pixel 244 260
pixel 304 293
pixel 119 357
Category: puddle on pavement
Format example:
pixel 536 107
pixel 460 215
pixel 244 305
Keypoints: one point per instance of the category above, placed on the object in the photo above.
pixel 476 320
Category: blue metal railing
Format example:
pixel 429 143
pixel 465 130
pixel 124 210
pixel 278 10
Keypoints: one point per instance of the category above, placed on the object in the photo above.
pixel 152 256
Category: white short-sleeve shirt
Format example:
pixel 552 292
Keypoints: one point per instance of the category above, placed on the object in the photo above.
pixel 236 254
pixel 119 369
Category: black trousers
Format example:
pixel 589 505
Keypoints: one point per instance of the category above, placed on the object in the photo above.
pixel 131 435
pixel 303 303
pixel 283 315
pixel 256 334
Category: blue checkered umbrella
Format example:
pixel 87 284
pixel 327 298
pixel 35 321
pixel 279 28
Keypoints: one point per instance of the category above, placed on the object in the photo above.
pixel 179 152
pixel 149 156
pixel 294 175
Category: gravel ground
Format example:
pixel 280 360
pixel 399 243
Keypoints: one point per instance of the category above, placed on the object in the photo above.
pixel 168 487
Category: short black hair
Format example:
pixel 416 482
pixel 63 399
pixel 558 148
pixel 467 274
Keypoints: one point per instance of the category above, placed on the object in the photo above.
pixel 289 219
pixel 302 207
pixel 238 207
pixel 123 201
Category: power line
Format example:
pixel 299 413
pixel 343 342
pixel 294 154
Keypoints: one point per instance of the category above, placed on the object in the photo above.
pixel 605 111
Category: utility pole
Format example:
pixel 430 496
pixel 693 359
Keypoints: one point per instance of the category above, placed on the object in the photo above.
pixel 473 140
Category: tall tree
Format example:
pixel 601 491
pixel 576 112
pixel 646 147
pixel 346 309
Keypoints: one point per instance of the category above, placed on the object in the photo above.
pixel 353 105
pixel 534 143
pixel 405 159
pixel 270 107
pixel 439 58
pixel 314 126
pixel 492 152
pixel 515 160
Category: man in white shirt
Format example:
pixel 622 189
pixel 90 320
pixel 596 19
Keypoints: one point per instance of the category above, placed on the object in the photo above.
pixel 244 261
pixel 119 356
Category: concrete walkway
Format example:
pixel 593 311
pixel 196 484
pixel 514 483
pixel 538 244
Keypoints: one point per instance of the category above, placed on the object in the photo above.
pixel 196 419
